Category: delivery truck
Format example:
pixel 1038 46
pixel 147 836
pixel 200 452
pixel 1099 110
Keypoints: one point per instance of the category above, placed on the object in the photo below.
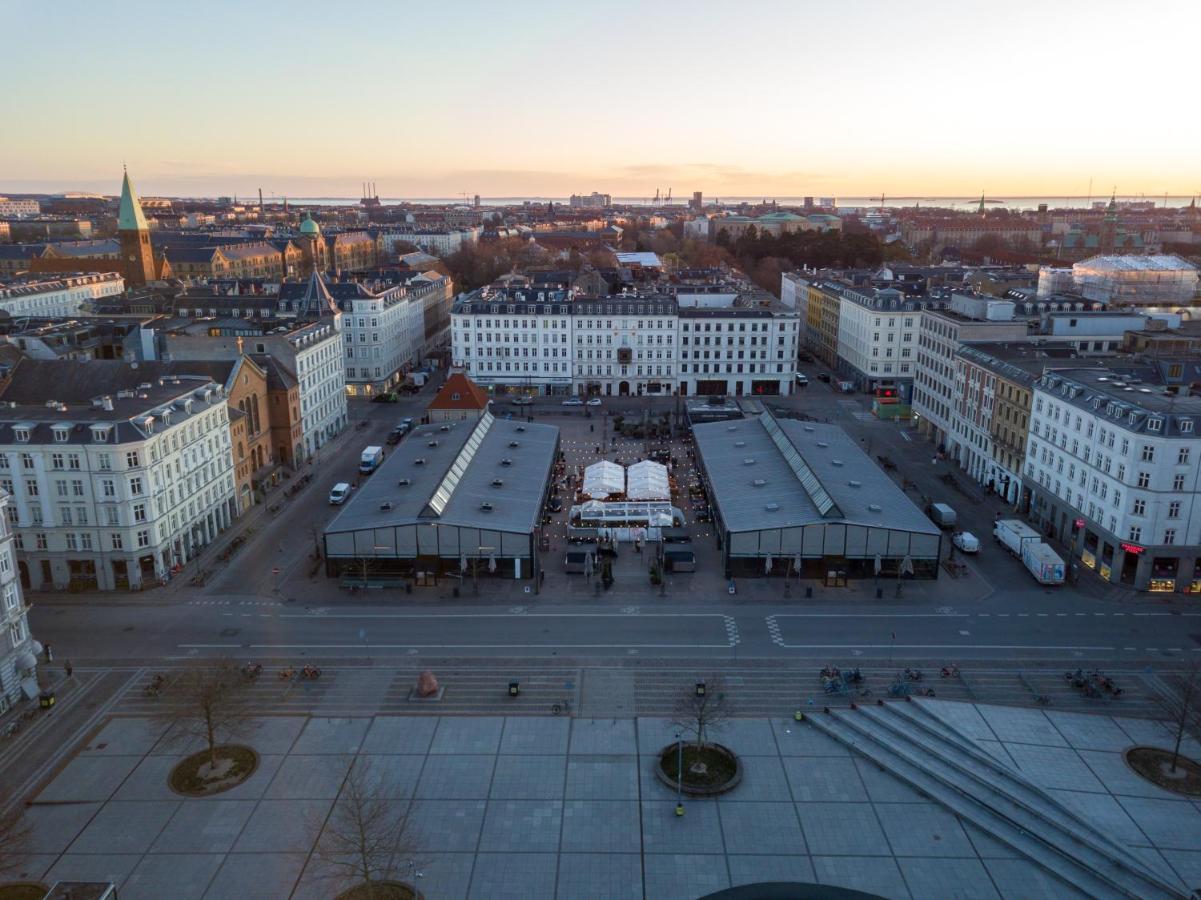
pixel 942 515
pixel 1042 562
pixel 371 459
pixel 1013 533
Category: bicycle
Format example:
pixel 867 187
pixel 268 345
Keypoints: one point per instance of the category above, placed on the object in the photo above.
pixel 563 706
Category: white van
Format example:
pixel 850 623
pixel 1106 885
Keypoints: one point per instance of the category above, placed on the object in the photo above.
pixel 802 380
pixel 339 493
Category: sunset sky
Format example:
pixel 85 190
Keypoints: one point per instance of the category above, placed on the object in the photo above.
pixel 845 98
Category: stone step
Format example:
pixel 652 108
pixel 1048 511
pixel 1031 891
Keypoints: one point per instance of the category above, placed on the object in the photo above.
pixel 989 810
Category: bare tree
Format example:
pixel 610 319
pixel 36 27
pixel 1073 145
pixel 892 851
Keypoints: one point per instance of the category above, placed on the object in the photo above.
pixel 1182 704
pixel 208 702
pixel 367 839
pixel 698 711
pixel 14 841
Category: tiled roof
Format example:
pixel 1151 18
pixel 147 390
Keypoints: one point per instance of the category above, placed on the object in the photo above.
pixel 460 392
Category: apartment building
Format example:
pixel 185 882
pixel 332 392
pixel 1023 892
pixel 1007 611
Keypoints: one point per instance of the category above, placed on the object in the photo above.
pixel 116 482
pixel 940 335
pixel 1113 464
pixel 18 650
pixel 58 297
pixel 10 207
pixel 553 342
pixel 877 338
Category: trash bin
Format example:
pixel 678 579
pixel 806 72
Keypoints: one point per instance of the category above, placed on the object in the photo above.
pixel 46 699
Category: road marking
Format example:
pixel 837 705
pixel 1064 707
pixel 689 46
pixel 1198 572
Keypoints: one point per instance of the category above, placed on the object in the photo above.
pixel 1060 615
pixel 473 615
pixel 207 646
pixel 944 647
pixel 1042 615
pixel 874 615
pixel 484 646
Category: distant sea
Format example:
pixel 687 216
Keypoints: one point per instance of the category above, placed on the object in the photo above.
pixel 960 203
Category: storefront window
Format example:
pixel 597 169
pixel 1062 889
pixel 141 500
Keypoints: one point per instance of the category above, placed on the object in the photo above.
pixel 1163 573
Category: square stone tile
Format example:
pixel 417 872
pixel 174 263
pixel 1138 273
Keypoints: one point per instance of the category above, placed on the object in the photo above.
pixel 989 847
pixel 607 736
pixel 871 874
pixel 1119 779
pixel 522 826
pixel 763 778
pixel 535 734
pixel 652 788
pixel 442 826
pixel 601 826
pixel 270 736
pixel 445 876
pixel 253 787
pixel 125 827
pixel 309 778
pixel 1089 732
pixel 400 734
pixel 602 778
pixel 600 876
pixel 54 826
pixel 884 787
pixel 331 736
pixel 1012 724
pixel 180 876
pixel 31 866
pixel 1021 879
pixel 748 737
pixel 125 737
pixel 513 876
pixel 1187 864
pixel 256 876
pixel 684 876
pixel 832 829
pixel 283 826
pixel 824 778
pixel 698 829
pixel 963 717
pixel 149 780
pixel 114 867
pixel 760 827
pixel 204 827
pixel 1168 824
pixel 467 734
pixel 952 879
pixel 456 777
pixel 999 752
pixel 923 829
pixel 802 739
pixel 1144 731
pixel 755 869
pixel 654 732
pixel 87 778
pixel 528 777
pixel 394 777
pixel 1054 767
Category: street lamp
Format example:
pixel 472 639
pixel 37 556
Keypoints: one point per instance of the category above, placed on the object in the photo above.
pixel 700 688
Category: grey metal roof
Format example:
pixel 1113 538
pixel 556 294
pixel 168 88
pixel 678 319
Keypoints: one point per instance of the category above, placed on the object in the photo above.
pixel 456 478
pixel 813 473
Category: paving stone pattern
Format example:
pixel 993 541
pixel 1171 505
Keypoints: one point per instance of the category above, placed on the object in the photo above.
pixel 526 807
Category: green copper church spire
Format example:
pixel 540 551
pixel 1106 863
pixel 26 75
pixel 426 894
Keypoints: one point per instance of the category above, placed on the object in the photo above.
pixel 129 216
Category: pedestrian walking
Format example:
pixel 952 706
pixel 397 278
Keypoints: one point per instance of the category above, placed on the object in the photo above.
pixel 68 668
pixel 49 654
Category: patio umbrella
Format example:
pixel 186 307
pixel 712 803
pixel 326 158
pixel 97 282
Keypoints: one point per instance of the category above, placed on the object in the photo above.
pixel 796 563
pixel 878 564
pixel 462 562
pixel 907 565
pixel 492 563
pixel 588 568
pixel 767 566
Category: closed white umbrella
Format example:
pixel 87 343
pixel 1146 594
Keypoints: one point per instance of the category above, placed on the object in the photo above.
pixel 907 565
pixel 492 563
pixel 767 566
pixel 878 564
pixel 462 562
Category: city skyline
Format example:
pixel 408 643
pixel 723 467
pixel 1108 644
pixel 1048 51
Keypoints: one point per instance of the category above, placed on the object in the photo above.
pixel 789 101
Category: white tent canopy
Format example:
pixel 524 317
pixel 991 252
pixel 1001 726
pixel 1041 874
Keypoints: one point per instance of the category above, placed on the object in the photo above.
pixel 648 481
pixel 604 479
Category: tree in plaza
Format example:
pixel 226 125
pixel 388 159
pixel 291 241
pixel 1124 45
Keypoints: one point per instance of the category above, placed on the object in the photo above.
pixel 368 839
pixel 14 841
pixel 1182 705
pixel 208 702
pixel 698 712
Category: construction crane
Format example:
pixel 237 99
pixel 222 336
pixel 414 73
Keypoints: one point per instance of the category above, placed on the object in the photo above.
pixel 655 202
pixel 668 200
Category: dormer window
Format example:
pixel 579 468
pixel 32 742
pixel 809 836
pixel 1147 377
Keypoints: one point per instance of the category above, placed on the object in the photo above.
pixel 1153 424
pixel 21 433
pixel 1186 426
pixel 62 433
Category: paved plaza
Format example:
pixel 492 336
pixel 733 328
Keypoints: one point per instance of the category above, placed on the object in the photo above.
pixel 554 807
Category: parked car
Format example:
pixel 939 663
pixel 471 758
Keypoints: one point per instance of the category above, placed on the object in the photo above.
pixel 802 380
pixel 395 435
pixel 942 515
pixel 573 401
pixel 407 421
pixel 823 376
pixel 595 401
pixel 339 493
pixel 389 397
pixel 523 401
pixel 966 541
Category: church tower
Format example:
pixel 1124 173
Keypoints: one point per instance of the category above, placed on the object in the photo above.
pixel 137 256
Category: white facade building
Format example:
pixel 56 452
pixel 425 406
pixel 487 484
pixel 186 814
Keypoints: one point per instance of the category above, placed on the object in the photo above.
pixel 18 650
pixel 877 337
pixel 113 491
pixel 58 298
pixel 551 342
pixel 1113 464
pixel 19 207
pixel 441 242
